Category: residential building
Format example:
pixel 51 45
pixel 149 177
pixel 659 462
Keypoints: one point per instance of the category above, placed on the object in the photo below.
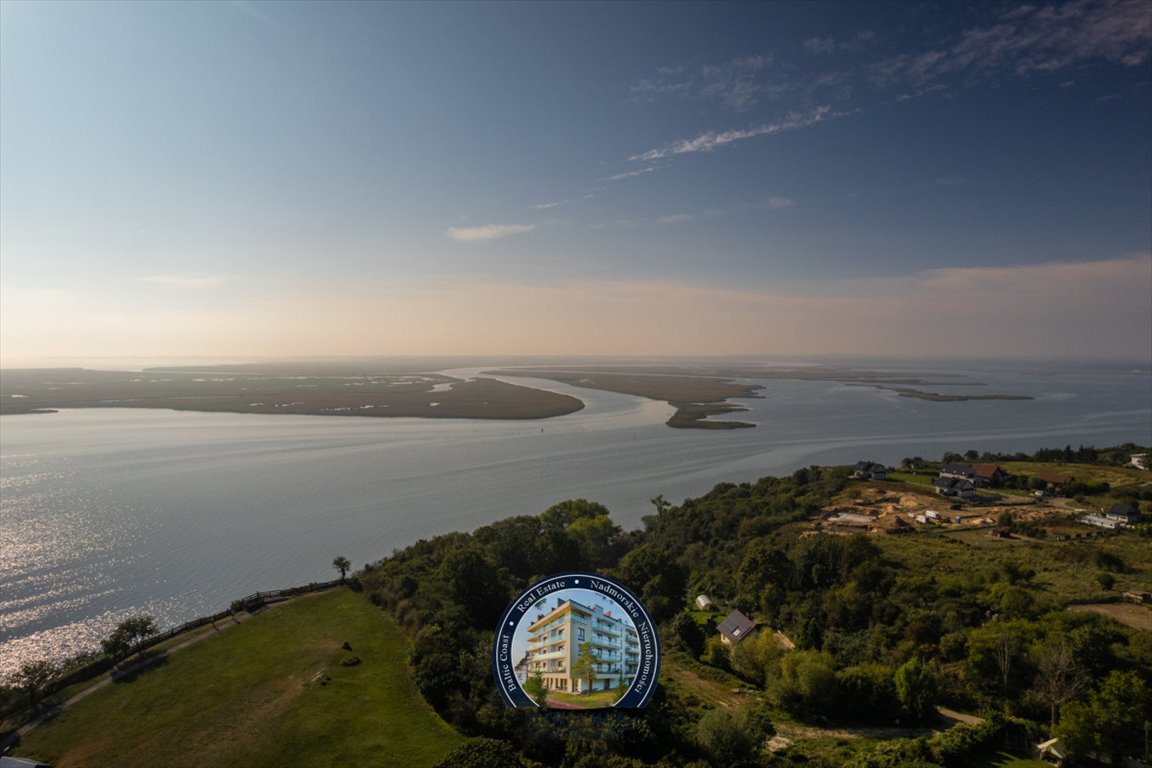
pixel 1124 513
pixel 959 471
pixel 955 487
pixel 735 628
pixel 1102 522
pixel 556 637
pixel 992 475
pixel 1056 481
pixel 869 470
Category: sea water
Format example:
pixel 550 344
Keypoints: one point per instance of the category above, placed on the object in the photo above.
pixel 106 513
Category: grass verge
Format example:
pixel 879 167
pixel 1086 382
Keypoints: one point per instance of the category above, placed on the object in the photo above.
pixel 271 691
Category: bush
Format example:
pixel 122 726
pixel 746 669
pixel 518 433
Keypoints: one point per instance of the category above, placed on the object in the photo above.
pixel 732 737
pixel 868 694
pixel 482 753
pixel 806 683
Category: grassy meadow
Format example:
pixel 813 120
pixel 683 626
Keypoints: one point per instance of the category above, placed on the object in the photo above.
pixel 270 691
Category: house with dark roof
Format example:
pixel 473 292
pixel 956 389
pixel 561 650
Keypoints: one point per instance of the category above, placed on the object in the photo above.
pixel 869 470
pixel 989 474
pixel 735 628
pixel 959 471
pixel 1124 513
pixel 955 487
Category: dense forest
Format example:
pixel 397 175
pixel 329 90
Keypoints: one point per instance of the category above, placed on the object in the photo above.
pixel 857 631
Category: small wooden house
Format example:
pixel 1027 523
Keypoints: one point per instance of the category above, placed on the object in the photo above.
pixel 735 628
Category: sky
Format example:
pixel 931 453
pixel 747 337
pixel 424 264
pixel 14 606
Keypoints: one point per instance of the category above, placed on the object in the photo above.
pixel 255 180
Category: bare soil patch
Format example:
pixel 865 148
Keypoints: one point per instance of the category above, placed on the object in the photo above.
pixel 1128 614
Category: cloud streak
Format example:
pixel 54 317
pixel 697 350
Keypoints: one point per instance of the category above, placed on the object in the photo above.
pixel 737 83
pixel 487 232
pixel 706 142
pixel 774 203
pixel 1032 39
pixel 630 174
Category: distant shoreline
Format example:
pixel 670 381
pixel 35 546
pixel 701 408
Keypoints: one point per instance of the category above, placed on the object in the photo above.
pixel 380 396
pixel 698 391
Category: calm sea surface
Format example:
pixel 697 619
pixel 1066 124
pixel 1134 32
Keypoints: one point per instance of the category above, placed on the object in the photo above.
pixel 110 512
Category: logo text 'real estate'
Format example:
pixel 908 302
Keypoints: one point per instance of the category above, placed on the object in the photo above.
pixel 576 641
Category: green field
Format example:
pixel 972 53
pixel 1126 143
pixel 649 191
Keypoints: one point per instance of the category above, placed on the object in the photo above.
pixel 270 691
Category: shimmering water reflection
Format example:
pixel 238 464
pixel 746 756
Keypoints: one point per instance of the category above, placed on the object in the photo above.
pixel 107 513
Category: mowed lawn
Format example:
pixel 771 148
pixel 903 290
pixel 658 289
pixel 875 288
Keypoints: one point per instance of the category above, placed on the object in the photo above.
pixel 268 692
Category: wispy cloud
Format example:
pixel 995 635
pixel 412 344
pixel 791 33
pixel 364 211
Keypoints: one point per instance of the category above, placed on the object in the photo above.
pixel 1032 39
pixel 827 45
pixel 487 232
pixel 737 83
pixel 774 203
pixel 546 206
pixel 1007 43
pixel 630 174
pixel 706 142
pixel 183 281
pixel 820 44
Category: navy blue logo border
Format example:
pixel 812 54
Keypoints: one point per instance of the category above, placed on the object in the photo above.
pixel 503 664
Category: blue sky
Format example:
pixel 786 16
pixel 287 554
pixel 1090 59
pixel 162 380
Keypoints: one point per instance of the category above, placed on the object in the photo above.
pixel 586 597
pixel 254 180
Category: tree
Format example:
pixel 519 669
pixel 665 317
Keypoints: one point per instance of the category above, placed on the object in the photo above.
pixel 1122 705
pixel 468 575
pixel 343 565
pixel 482 753
pixel 1078 729
pixel 715 653
pixel 32 677
pixel 138 628
pixel 916 689
pixel 1059 678
pixel 687 633
pixel 567 512
pixel 115 645
pixel 731 737
pixel 535 688
pixel 128 635
pixel 806 683
pixel 596 539
pixel 584 666
pixel 1004 651
pixel 1111 722
pixel 868 693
